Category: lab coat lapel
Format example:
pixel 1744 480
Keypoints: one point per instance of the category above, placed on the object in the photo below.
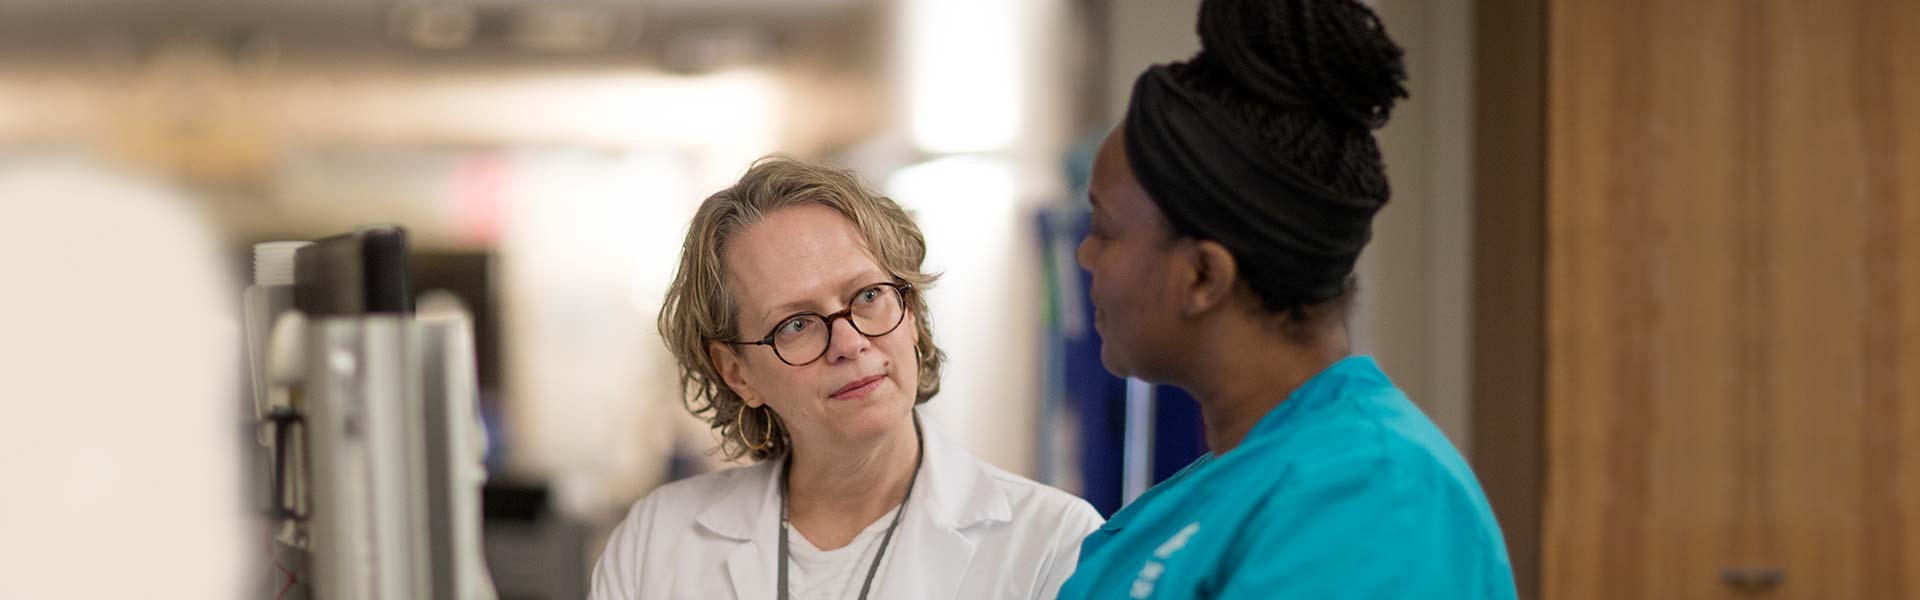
pixel 953 498
pixel 751 567
pixel 750 513
pixel 932 560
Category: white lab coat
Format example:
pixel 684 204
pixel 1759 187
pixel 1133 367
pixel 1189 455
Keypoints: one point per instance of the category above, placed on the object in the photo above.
pixel 971 531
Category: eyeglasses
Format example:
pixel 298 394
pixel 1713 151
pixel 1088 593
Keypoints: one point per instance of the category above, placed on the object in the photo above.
pixel 874 311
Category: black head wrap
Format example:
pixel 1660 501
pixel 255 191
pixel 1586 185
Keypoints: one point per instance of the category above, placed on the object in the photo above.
pixel 1216 177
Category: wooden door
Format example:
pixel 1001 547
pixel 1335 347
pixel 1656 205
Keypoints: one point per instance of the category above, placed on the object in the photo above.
pixel 1733 299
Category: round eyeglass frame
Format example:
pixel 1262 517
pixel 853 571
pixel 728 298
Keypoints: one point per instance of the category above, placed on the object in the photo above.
pixel 900 289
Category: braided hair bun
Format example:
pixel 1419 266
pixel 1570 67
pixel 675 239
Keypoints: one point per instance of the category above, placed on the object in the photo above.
pixel 1311 77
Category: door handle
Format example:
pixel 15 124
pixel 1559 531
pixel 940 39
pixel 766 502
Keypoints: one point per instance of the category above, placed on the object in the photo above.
pixel 1753 579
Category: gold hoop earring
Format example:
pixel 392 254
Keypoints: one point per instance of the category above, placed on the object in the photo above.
pixel 740 427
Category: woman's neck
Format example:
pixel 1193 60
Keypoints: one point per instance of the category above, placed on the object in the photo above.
pixel 1249 380
pixel 833 493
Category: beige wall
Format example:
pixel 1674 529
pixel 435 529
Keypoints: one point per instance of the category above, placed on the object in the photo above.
pixel 1414 279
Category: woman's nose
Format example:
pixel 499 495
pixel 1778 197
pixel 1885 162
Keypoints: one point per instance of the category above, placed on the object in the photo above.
pixel 847 342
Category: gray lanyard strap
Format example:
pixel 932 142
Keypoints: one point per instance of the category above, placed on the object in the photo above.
pixel 874 569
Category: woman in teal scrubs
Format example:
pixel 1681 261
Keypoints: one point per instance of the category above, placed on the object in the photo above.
pixel 1228 211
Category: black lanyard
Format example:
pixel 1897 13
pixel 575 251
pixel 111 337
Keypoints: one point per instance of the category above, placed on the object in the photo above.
pixel 873 570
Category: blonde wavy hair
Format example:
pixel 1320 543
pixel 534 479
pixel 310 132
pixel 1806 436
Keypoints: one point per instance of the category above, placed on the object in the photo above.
pixel 700 309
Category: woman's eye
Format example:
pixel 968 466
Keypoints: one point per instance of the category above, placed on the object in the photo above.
pixel 871 294
pixel 1096 231
pixel 794 326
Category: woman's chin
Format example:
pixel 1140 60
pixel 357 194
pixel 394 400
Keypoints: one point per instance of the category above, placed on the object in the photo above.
pixel 871 418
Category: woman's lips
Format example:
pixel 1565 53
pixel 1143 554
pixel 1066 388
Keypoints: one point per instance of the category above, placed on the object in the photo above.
pixel 858 388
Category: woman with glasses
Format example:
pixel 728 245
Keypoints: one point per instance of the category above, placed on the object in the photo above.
pixel 1229 208
pixel 801 331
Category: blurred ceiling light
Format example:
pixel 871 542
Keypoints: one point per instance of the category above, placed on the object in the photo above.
pixel 562 28
pixel 968 192
pixel 433 26
pixel 728 118
pixel 963 74
pixel 709 50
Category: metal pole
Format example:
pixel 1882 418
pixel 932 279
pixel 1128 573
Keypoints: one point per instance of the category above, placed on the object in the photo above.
pixel 1136 464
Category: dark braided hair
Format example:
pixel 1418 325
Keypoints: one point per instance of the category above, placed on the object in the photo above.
pixel 1313 78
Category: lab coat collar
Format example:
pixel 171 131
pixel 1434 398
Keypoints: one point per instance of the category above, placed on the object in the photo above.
pixel 956 489
pixel 745 501
pixel 960 493
pixel 954 493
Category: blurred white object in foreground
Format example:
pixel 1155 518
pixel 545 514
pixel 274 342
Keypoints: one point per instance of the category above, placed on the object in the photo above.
pixel 119 356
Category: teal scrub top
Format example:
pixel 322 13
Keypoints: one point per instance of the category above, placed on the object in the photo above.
pixel 1344 490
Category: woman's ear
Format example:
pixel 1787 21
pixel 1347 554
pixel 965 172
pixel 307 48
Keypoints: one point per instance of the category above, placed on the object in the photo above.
pixel 1214 274
pixel 729 363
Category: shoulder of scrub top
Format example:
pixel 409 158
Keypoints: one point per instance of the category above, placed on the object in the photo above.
pixel 1377 429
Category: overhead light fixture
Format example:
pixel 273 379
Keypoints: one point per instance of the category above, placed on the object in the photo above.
pixel 562 28
pixel 705 50
pixel 433 26
pixel 964 78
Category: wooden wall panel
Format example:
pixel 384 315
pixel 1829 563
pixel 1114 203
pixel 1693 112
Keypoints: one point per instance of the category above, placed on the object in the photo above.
pixel 1839 147
pixel 1731 298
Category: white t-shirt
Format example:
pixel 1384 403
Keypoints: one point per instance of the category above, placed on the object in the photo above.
pixel 835 574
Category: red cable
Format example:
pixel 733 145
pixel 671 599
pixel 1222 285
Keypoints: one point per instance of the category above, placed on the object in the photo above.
pixel 275 557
